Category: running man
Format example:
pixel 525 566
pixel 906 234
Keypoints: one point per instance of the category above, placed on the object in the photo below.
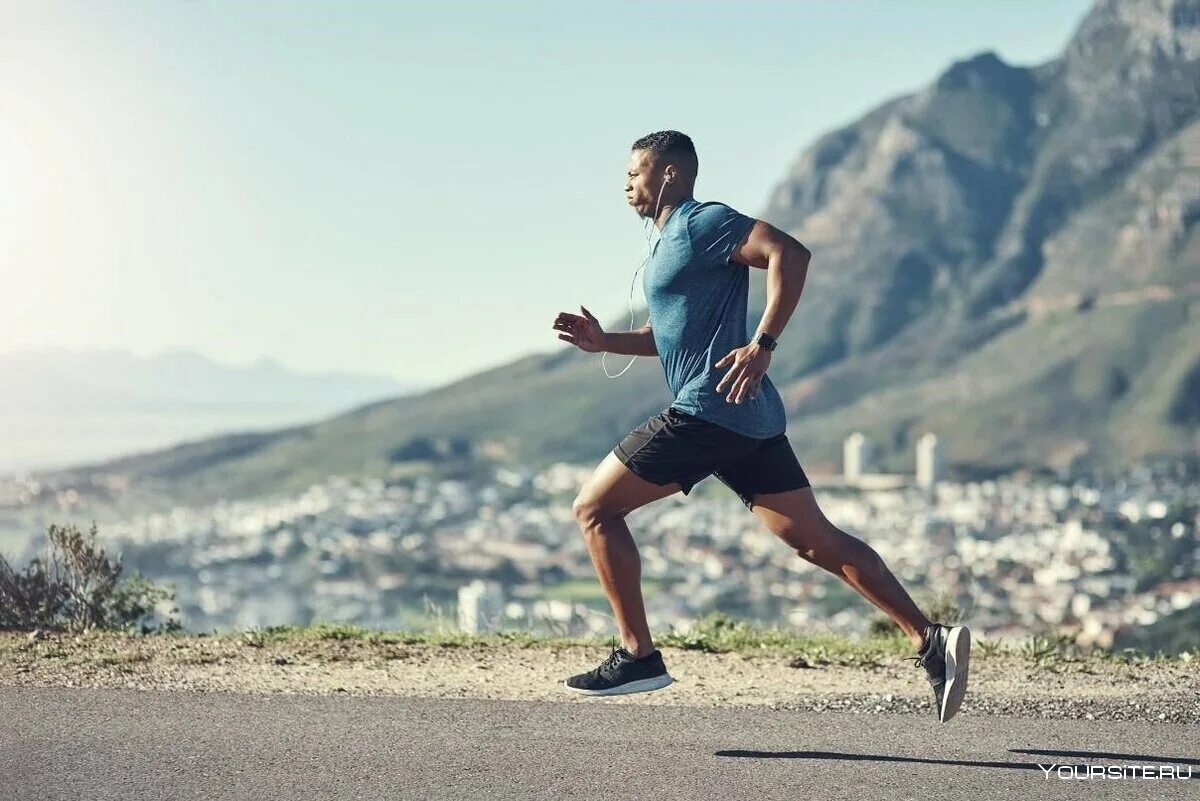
pixel 727 419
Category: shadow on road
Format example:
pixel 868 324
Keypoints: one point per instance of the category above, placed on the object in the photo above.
pixel 1140 759
pixel 970 763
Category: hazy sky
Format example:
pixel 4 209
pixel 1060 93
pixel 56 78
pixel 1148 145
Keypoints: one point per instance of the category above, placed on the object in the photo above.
pixel 411 189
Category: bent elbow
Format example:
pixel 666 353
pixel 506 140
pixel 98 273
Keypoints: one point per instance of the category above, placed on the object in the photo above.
pixel 805 253
pixel 798 254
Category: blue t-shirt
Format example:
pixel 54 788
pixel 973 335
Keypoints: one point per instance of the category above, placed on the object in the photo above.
pixel 697 301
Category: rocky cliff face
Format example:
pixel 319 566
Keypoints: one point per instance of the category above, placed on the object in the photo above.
pixel 957 229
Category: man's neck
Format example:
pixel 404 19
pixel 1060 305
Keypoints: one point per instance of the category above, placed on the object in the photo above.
pixel 665 211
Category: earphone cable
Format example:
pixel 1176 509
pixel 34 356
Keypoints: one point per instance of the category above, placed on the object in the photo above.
pixel 633 283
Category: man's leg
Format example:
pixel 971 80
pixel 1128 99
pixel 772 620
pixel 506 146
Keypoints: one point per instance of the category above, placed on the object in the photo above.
pixel 612 492
pixel 795 518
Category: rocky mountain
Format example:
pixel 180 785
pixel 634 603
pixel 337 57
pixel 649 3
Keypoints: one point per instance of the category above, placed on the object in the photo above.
pixel 1008 257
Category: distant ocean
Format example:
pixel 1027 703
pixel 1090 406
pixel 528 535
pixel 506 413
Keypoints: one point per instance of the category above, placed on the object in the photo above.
pixel 41 442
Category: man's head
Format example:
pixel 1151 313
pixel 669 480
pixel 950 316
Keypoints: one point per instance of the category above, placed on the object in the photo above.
pixel 663 157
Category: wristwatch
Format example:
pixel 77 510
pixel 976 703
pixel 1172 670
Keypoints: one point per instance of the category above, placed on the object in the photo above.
pixel 765 341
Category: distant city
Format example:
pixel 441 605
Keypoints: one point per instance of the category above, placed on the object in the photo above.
pixel 1087 556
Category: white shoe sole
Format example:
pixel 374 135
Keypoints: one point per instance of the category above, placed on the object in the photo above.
pixel 958 663
pixel 639 686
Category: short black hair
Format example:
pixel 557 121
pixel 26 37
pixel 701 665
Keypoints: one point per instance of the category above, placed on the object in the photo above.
pixel 673 145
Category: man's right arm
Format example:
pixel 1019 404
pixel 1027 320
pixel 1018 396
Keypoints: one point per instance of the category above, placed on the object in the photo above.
pixel 631 343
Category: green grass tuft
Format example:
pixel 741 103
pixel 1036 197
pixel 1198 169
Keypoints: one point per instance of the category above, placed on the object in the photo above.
pixel 714 633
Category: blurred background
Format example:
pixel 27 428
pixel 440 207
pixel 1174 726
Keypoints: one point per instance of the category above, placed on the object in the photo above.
pixel 279 284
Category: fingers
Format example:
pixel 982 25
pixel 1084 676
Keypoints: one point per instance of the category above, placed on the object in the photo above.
pixel 590 316
pixel 568 338
pixel 744 376
pixel 733 371
pixel 566 321
pixel 744 384
pixel 738 388
pixel 746 388
pixel 731 378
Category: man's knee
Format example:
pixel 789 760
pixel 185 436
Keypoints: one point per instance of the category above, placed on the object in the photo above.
pixel 808 546
pixel 806 536
pixel 823 543
pixel 590 510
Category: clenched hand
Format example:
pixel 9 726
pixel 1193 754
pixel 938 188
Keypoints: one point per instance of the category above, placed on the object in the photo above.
pixel 584 332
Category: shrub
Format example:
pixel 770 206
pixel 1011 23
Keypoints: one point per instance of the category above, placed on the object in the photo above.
pixel 76 587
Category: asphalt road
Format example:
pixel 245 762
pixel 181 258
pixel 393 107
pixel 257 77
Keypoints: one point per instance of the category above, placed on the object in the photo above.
pixel 128 744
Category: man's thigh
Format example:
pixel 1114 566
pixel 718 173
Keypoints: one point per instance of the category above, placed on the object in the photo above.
pixel 771 469
pixel 793 516
pixel 615 490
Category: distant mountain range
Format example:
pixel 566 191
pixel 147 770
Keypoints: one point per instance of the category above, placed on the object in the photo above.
pixel 1008 257
pixel 61 407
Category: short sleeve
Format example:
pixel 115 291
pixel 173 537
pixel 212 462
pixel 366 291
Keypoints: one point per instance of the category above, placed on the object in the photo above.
pixel 716 230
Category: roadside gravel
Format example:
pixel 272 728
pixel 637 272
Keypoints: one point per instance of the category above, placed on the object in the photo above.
pixel 1000 684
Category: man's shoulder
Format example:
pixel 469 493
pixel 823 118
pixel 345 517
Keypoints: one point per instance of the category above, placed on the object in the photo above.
pixel 706 213
pixel 715 229
pixel 709 206
pixel 712 216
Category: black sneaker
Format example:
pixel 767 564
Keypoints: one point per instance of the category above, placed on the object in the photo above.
pixel 622 673
pixel 946 657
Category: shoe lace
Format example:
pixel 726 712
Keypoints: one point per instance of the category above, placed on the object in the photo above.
pixel 611 660
pixel 919 659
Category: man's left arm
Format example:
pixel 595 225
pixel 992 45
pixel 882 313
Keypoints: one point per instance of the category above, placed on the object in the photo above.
pixel 786 263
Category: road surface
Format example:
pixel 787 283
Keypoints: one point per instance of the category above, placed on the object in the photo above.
pixel 82 743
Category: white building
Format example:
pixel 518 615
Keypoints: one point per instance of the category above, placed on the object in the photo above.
pixel 929 461
pixel 856 457
pixel 480 606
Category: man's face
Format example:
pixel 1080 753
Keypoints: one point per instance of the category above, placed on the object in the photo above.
pixel 642 182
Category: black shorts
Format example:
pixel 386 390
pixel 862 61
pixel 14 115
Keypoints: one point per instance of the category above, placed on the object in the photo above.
pixel 674 446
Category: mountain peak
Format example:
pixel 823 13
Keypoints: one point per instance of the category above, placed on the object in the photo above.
pixel 1137 29
pixel 980 71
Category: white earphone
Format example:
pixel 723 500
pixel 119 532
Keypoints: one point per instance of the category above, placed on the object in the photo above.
pixel 649 252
